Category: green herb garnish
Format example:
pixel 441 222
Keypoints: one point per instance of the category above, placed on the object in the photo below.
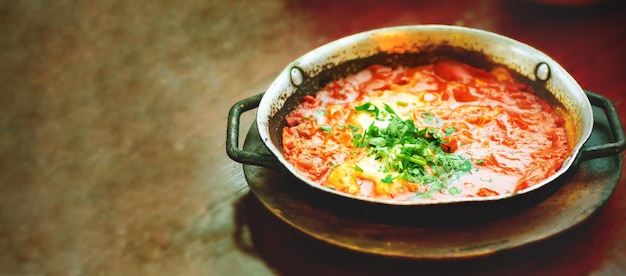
pixel 387 179
pixel 321 112
pixel 368 107
pixel 449 130
pixel 412 154
pixel 430 119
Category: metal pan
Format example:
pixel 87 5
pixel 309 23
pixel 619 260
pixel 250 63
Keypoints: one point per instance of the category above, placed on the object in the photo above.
pixel 411 46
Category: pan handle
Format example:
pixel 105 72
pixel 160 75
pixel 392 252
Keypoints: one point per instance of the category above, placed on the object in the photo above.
pixel 232 136
pixel 608 149
pixel 270 161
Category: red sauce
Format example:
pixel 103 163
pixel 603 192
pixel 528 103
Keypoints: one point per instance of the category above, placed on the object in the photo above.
pixel 513 138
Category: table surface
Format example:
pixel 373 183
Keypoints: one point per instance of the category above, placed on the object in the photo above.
pixel 113 126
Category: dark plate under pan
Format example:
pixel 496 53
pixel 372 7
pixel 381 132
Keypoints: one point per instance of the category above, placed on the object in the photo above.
pixel 441 232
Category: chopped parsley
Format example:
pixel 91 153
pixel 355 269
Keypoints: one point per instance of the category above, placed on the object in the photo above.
pixel 370 108
pixel 402 103
pixel 430 119
pixel 413 154
pixel 387 179
pixel 321 112
pixel 327 129
pixel 454 191
pixel 449 130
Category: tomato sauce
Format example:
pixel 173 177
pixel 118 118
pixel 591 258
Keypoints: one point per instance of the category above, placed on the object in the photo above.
pixel 513 138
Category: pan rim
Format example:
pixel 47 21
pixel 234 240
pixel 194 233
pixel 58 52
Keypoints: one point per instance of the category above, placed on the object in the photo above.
pixel 279 90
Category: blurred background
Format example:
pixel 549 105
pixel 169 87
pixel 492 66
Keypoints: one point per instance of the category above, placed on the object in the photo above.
pixel 113 116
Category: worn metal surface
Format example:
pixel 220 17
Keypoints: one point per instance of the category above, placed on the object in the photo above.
pixel 421 44
pixel 409 46
pixel 462 233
